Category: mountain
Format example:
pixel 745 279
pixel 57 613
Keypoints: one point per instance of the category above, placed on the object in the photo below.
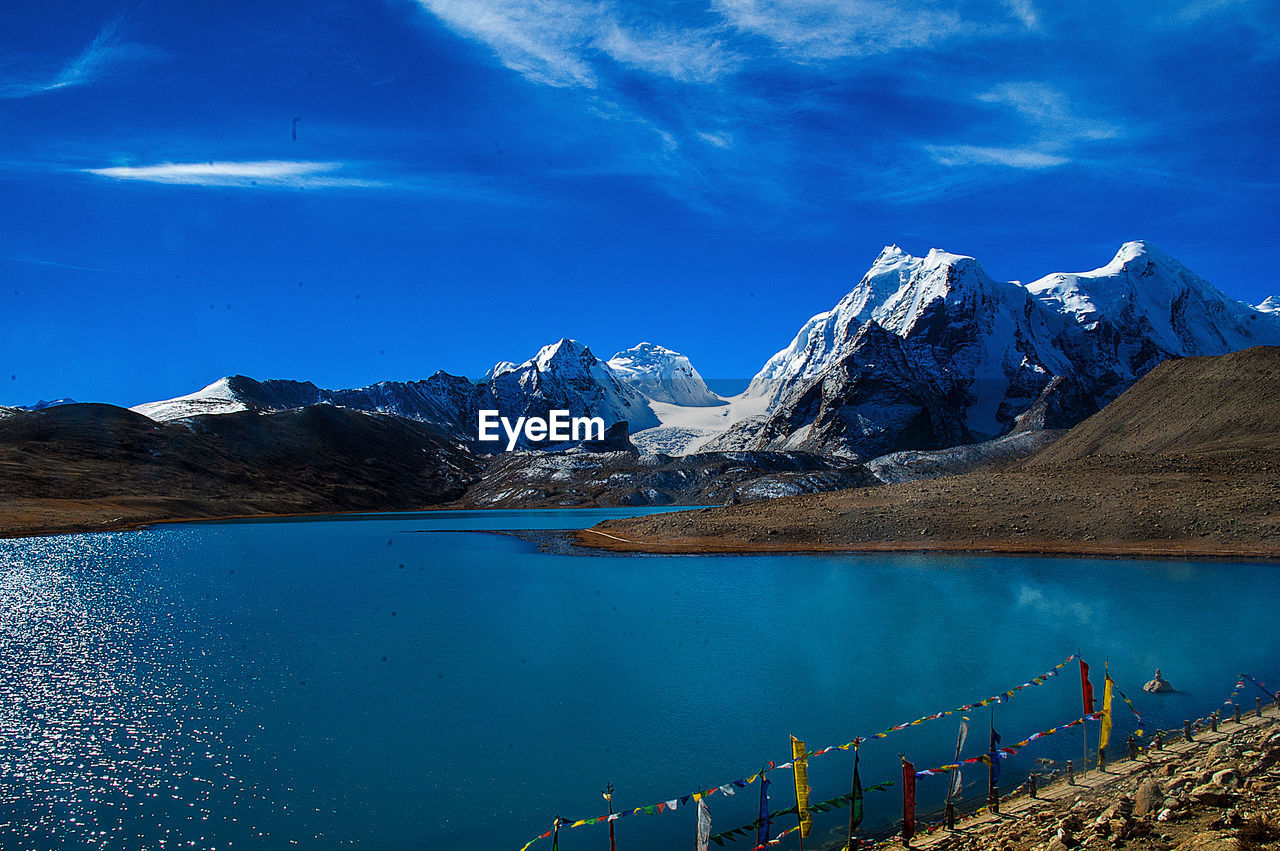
pixel 1184 463
pixel 567 376
pixel 927 353
pixel 1271 304
pixel 564 375
pixel 663 376
pixel 42 404
pixel 82 465
pixel 1117 322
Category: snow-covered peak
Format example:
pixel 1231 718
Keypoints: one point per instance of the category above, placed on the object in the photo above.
pixel 562 352
pixel 1107 289
pixel 1149 293
pixel 568 376
pixel 499 368
pixel 662 375
pixel 220 397
pixel 894 292
pixel 1271 304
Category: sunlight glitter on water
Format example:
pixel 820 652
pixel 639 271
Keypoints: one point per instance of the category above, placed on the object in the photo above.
pixel 107 730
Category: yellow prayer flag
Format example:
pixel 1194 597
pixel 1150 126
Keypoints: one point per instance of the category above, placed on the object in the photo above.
pixel 1106 714
pixel 800 766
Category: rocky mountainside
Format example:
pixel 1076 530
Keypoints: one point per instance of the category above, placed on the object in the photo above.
pixel 522 479
pixel 931 352
pixel 1203 406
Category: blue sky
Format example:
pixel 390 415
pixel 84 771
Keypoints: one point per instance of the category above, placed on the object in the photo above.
pixel 474 178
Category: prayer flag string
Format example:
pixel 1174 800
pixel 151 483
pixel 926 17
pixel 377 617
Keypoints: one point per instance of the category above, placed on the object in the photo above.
pixel 731 787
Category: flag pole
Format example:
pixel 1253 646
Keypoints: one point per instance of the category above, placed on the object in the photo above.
pixel 608 796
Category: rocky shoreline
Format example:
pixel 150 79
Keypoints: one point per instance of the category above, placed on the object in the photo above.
pixel 1221 790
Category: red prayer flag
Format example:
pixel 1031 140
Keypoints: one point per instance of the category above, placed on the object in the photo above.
pixel 908 800
pixel 1086 688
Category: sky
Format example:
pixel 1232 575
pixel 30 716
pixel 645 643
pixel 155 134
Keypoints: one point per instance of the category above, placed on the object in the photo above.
pixel 354 192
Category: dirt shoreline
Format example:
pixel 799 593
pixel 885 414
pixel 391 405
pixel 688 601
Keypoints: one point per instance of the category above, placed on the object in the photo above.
pixel 594 539
pixel 1212 505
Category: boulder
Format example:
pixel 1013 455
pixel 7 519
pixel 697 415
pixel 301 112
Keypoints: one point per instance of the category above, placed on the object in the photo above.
pixel 1158 684
pixel 1213 796
pixel 1148 798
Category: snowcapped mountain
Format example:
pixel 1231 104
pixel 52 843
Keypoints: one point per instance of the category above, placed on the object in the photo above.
pixel 931 352
pixel 924 353
pixel 231 394
pixel 567 376
pixel 564 375
pixel 663 376
pixel 1117 322
pixel 500 368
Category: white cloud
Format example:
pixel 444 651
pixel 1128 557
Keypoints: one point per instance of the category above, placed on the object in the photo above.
pixel 106 56
pixel 690 56
pixel 540 39
pixel 1025 158
pixel 263 173
pixel 1049 110
pixel 719 140
pixel 1024 11
pixel 811 30
pixel 562 42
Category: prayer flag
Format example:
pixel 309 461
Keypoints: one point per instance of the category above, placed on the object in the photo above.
pixel 800 766
pixel 763 833
pixel 704 826
pixel 908 800
pixel 995 759
pixel 1106 713
pixel 855 800
pixel 1086 688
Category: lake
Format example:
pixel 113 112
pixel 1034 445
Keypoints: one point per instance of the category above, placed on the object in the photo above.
pixel 393 681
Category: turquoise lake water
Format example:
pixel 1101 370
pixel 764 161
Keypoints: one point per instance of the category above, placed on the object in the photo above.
pixel 391 682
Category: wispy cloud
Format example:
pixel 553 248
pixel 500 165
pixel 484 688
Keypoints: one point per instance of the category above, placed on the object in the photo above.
pixel 688 56
pixel 1025 12
pixel 107 56
pixel 563 42
pixel 1052 129
pixel 264 173
pixel 1048 110
pixel 831 29
pixel 37 261
pixel 961 155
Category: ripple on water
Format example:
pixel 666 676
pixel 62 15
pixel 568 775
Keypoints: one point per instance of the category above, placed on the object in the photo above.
pixel 110 734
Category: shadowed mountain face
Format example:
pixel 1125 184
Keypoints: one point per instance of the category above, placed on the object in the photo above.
pixel 319 458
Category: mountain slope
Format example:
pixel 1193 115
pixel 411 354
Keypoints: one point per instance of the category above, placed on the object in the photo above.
pixel 1185 463
pixel 1186 405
